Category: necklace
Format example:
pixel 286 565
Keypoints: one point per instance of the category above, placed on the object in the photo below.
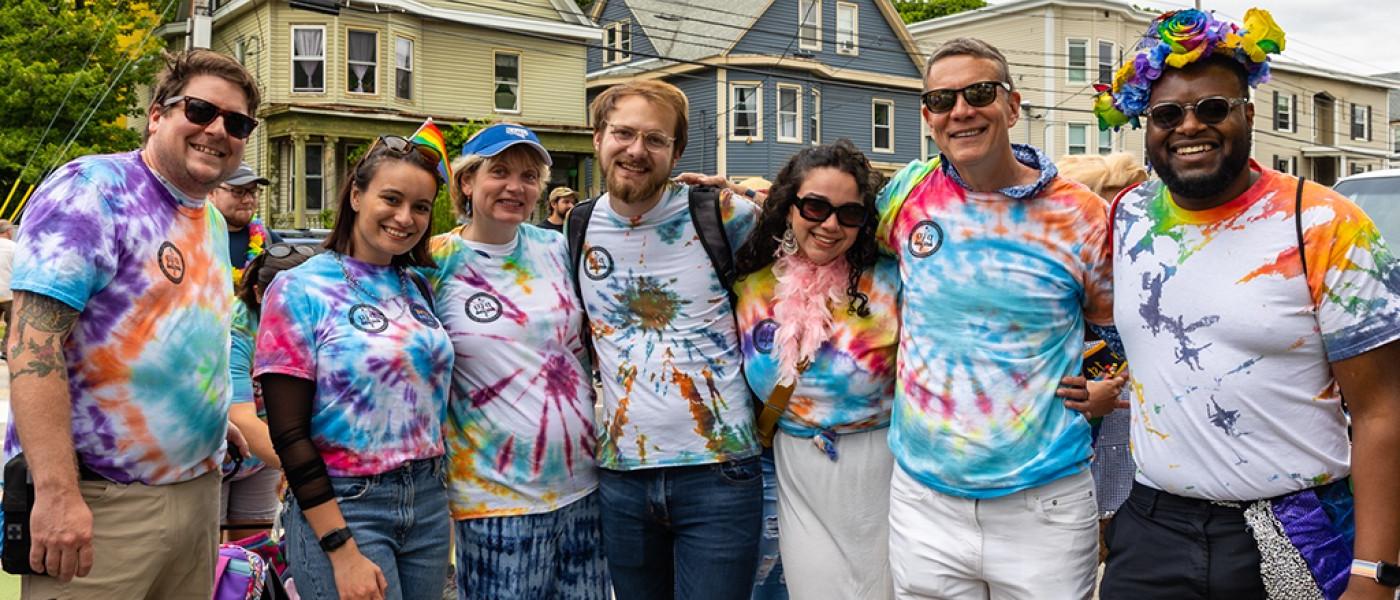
pixel 419 312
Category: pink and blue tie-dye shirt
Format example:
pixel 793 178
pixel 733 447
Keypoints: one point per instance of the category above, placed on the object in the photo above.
pixel 381 361
pixel 1232 391
pixel 849 387
pixel 520 421
pixel 664 331
pixel 148 358
pixel 996 292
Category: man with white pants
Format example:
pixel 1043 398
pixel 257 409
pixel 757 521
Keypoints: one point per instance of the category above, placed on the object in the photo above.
pixel 1002 264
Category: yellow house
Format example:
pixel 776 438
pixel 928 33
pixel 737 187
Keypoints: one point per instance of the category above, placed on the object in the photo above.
pixel 1308 120
pixel 332 83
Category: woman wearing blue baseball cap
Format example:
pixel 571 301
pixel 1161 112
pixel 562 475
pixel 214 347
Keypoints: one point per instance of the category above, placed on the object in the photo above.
pixel 521 476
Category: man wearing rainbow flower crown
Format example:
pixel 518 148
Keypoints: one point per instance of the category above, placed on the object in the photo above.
pixel 237 199
pixel 1251 303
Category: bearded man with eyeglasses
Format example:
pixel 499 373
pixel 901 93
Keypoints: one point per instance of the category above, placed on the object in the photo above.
pixel 1003 264
pixel 1251 304
pixel 119 358
pixel 237 200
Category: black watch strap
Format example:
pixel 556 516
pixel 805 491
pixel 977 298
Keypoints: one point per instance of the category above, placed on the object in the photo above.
pixel 335 539
pixel 1388 574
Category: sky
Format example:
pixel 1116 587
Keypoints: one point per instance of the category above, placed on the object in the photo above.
pixel 1353 36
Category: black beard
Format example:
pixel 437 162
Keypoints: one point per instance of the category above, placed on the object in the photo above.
pixel 1210 185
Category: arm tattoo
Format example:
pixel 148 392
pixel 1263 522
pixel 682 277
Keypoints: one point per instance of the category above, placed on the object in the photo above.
pixel 42 357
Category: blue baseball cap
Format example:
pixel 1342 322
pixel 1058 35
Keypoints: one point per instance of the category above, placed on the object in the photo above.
pixel 495 139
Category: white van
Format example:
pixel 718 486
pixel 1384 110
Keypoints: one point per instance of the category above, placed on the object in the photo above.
pixel 1378 193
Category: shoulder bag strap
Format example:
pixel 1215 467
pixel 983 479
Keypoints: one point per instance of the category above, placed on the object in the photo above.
pixel 1298 226
pixel 774 408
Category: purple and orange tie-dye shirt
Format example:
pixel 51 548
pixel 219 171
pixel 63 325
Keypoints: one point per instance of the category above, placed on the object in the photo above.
pixel 1232 391
pixel 520 420
pixel 380 359
pixel 849 387
pixel 148 359
pixel 996 294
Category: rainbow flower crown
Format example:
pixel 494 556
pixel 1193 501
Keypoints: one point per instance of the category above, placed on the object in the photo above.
pixel 1176 39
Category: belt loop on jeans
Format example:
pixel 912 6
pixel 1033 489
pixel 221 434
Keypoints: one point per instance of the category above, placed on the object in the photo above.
pixel 1152 496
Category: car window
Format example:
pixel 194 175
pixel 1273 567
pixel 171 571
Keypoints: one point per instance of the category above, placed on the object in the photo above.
pixel 1380 198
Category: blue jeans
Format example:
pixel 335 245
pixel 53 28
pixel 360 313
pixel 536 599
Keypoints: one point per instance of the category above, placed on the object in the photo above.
pixel 400 523
pixel 769 584
pixel 683 532
pixel 556 555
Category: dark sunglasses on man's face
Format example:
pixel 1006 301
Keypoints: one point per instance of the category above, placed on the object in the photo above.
pixel 1209 111
pixel 285 250
pixel 817 210
pixel 203 112
pixel 977 95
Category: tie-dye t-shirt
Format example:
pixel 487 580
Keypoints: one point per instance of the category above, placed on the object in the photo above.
pixel 1232 393
pixel 244 335
pixel 519 433
pixel 148 358
pixel 996 291
pixel 849 386
pixel 381 361
pixel 664 331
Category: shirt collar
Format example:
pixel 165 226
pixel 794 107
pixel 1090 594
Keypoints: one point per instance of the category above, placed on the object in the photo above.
pixel 1027 155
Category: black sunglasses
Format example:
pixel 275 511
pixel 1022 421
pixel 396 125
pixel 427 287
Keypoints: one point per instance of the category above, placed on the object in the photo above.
pixel 816 209
pixel 1210 111
pixel 203 112
pixel 978 95
pixel 285 250
pixel 402 147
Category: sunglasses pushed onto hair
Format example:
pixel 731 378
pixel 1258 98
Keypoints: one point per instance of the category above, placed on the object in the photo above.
pixel 977 95
pixel 203 112
pixel 1209 111
pixel 284 250
pixel 403 147
pixel 817 209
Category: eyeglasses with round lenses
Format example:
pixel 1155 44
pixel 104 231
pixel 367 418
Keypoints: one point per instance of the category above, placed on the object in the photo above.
pixel 654 141
pixel 817 209
pixel 977 95
pixel 285 250
pixel 1210 111
pixel 203 112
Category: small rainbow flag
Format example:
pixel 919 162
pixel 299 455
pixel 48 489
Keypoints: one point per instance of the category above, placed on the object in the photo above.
pixel 429 135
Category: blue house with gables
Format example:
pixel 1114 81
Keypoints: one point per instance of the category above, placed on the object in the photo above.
pixel 766 78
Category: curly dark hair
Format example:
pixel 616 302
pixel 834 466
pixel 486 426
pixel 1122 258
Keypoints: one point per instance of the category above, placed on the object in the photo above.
pixel 760 249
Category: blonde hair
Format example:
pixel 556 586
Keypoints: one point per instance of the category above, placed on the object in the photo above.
pixel 466 166
pixel 660 94
pixel 1099 173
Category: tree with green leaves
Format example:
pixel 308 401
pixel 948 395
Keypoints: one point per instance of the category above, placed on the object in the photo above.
pixel 913 11
pixel 69 75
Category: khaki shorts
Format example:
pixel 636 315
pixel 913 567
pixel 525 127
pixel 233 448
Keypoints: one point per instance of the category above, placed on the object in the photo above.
pixel 148 542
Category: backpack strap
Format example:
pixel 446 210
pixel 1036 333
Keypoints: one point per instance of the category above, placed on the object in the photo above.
pixel 575 228
pixel 1113 215
pixel 422 284
pixel 707 214
pixel 1298 227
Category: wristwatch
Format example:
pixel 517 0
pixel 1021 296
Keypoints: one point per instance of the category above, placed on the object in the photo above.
pixel 1384 573
pixel 335 539
pixel 750 192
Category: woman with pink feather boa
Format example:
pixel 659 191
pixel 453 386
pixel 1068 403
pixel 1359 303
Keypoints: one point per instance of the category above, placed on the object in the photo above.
pixel 817 311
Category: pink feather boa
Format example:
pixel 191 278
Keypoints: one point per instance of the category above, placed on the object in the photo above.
pixel 805 294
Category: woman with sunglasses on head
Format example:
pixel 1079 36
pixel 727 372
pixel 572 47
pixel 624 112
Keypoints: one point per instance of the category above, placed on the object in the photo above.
pixel 818 329
pixel 355 371
pixel 250 493
pixel 519 436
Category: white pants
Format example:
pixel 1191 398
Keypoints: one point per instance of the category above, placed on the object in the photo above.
pixel 1039 544
pixel 833 517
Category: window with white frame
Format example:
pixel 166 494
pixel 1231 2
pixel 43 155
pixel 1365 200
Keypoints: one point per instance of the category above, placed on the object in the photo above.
pixel 506 92
pixel 745 110
pixel 309 59
pixel 789 113
pixel 847 28
pixel 314 187
pixel 617 46
pixel 1283 112
pixel 809 24
pixel 1078 138
pixel 1078 61
pixel 816 120
pixel 403 68
pixel 1105 141
pixel 362 61
pixel 882 125
pixel 1360 122
pixel 1106 60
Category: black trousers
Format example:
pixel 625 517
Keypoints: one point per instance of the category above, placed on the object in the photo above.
pixel 1166 546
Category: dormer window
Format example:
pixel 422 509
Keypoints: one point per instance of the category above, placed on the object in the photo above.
pixel 847 28
pixel 617 45
pixel 809 24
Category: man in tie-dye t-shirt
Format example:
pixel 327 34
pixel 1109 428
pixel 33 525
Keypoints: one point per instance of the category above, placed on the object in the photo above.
pixel 680 482
pixel 1242 350
pixel 119 360
pixel 1002 264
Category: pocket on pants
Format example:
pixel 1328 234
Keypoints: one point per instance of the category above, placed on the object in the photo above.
pixel 745 471
pixel 350 488
pixel 1074 509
